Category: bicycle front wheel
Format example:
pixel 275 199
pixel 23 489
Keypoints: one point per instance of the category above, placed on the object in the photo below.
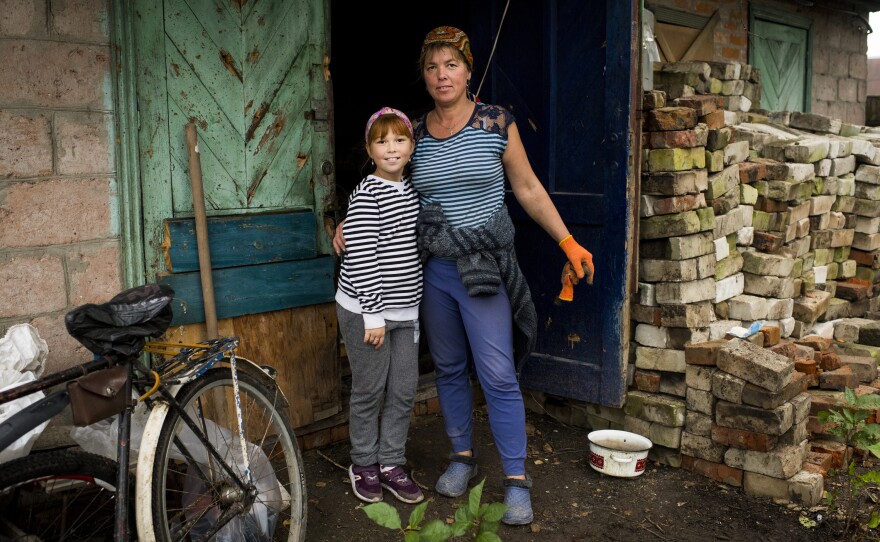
pixel 195 497
pixel 60 495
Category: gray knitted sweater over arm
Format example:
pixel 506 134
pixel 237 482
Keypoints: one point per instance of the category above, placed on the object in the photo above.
pixel 485 257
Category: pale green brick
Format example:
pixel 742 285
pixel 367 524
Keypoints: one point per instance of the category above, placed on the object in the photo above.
pixel 655 408
pixel 762 187
pixel 761 221
pixel 841 253
pixel 698 157
pixel 822 257
pixel 748 194
pixel 714 161
pixel 657 227
pixel 707 218
pixel 670 160
pixel 731 243
pixel 832 271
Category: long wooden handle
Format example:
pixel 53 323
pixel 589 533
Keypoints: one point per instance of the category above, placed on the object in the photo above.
pixel 201 219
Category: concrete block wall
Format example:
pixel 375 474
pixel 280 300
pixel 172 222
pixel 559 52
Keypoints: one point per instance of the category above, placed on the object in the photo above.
pixel 59 230
pixel 839 54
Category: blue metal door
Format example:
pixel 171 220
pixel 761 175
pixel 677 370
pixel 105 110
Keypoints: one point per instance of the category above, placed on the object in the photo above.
pixel 566 69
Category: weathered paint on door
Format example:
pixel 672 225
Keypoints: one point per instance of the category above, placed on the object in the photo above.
pixel 253 77
pixel 780 52
pixel 564 67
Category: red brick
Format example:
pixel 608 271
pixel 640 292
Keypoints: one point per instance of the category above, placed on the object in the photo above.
pixel 817 428
pixel 853 289
pixel 771 335
pixel 867 259
pixel 827 360
pixel 703 353
pixel 812 467
pixel 819 344
pixel 750 172
pixel 838 451
pixel 713 120
pixel 820 462
pixel 806 366
pixel 679 204
pixel 764 241
pixel 646 381
pixel 820 401
pixel 739 438
pixel 838 379
pixel 702 104
pixel 715 471
pixel 785 348
pixel 676 139
pixel 433 405
pixel 670 118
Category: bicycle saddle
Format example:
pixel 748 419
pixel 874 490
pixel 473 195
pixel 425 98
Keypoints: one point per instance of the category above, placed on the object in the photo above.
pixel 118 328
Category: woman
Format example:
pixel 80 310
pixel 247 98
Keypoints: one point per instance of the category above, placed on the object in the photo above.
pixel 476 304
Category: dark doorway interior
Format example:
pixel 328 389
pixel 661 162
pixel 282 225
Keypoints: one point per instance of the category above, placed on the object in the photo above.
pixel 374 63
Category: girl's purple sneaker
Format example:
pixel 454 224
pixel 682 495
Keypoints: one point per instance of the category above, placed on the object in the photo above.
pixel 398 482
pixel 365 482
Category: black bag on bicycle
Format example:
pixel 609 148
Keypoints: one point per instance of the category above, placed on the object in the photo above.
pixel 98 395
pixel 118 329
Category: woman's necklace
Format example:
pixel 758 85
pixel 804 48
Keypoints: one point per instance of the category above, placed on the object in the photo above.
pixel 450 128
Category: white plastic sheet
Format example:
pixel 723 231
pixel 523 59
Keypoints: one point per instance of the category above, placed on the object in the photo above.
pixel 22 357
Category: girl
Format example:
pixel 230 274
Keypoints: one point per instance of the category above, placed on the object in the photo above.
pixel 380 286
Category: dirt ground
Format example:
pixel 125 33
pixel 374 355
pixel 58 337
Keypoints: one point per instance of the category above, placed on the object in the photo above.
pixel 572 502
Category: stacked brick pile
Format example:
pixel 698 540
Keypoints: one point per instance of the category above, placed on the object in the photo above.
pixel 676 267
pixel 746 420
pixel 736 85
pixel 780 205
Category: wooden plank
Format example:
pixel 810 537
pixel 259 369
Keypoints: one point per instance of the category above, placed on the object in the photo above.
pixel 152 103
pixel 300 343
pixel 254 289
pixel 703 42
pixel 241 240
pixel 665 48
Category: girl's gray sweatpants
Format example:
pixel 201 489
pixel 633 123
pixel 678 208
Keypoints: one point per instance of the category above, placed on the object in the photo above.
pixel 382 381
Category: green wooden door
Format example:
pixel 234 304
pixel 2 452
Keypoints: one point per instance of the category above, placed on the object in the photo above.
pixel 253 77
pixel 780 51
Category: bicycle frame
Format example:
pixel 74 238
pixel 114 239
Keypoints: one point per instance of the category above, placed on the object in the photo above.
pixel 222 352
pixel 45 409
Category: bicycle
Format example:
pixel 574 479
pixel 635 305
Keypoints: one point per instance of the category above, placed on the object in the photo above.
pixel 217 460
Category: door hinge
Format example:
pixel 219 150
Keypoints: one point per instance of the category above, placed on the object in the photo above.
pixel 319 115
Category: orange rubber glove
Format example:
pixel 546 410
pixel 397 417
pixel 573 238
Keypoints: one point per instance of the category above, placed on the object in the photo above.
pixel 579 257
pixel 569 279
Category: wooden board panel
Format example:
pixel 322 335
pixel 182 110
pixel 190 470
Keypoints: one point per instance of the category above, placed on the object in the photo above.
pixel 253 289
pixel 241 240
pixel 300 343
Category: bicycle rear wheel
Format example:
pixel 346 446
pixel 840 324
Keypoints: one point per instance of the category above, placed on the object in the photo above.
pixel 60 495
pixel 195 498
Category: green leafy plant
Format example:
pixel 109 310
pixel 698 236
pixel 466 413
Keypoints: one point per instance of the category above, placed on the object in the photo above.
pixel 474 521
pixel 850 422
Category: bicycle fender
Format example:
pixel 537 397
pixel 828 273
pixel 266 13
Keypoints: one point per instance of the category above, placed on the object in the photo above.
pixel 146 457
pixel 31 416
pixel 247 366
